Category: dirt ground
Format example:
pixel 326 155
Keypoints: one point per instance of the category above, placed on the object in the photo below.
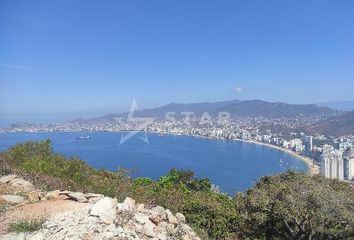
pixel 38 210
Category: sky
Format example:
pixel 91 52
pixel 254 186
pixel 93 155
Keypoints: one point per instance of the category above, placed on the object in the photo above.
pixel 65 59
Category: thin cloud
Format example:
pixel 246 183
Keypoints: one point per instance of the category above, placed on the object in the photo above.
pixel 238 89
pixel 12 66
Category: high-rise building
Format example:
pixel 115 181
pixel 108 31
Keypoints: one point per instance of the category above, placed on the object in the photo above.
pixel 348 162
pixel 332 163
pixel 308 145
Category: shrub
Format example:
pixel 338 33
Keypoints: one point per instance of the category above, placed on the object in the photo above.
pixel 296 206
pixel 26 225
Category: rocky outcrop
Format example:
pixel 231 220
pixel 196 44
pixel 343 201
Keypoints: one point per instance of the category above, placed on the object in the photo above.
pixel 104 218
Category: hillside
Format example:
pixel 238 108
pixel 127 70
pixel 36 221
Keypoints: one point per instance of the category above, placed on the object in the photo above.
pixel 335 126
pixel 236 108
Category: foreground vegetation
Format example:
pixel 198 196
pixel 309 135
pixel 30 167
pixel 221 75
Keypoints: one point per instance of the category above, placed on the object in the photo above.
pixel 26 225
pixel 287 206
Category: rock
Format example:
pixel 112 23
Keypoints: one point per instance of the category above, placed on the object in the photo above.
pixel 180 218
pixel 101 222
pixel 127 205
pixel 141 218
pixel 7 178
pixel 171 219
pixel 157 215
pixel 53 194
pixel 20 182
pixel 13 236
pixel 105 209
pixel 77 196
pixel 149 230
pixel 35 236
pixel 65 192
pixel 34 196
pixel 140 208
pixel 93 198
pixel 14 199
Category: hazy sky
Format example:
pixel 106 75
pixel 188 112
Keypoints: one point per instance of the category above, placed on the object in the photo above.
pixel 63 57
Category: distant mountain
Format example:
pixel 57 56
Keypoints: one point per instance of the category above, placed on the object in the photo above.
pixel 249 108
pixel 342 105
pixel 335 126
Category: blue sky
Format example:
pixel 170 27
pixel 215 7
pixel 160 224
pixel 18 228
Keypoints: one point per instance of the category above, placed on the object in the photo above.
pixel 74 58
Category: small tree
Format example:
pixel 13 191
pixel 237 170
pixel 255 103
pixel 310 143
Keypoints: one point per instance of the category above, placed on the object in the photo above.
pixel 296 206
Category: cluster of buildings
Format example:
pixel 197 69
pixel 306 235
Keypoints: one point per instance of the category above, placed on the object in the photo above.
pixel 337 163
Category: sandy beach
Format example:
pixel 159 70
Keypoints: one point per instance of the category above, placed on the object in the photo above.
pixel 313 168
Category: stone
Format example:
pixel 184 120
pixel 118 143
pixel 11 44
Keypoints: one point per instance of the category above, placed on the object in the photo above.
pixel 127 205
pixel 77 196
pixel 65 192
pixel 141 218
pixel 20 182
pixel 34 196
pixel 100 221
pixel 140 208
pixel 35 236
pixel 93 197
pixel 14 199
pixel 180 218
pixel 7 178
pixel 149 230
pixel 171 219
pixel 105 209
pixel 13 236
pixel 53 194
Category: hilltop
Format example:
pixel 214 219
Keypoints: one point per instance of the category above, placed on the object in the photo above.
pixel 335 126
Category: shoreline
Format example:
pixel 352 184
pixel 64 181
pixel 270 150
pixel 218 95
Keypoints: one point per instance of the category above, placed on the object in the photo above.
pixel 313 169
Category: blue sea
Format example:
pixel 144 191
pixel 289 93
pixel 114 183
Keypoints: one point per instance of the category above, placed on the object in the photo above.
pixel 232 165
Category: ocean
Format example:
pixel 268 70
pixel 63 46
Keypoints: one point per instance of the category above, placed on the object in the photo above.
pixel 234 166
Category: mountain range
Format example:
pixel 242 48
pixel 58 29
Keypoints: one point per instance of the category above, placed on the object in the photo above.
pixel 335 126
pixel 236 108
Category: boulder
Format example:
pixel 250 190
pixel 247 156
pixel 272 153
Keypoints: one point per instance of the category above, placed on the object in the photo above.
pixel 77 196
pixel 14 199
pixel 127 205
pixel 93 197
pixel 53 194
pixel 180 218
pixel 171 219
pixel 149 230
pixel 7 178
pixel 20 182
pixel 34 196
pixel 105 209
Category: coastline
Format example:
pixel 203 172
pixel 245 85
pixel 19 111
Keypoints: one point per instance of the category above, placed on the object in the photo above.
pixel 313 169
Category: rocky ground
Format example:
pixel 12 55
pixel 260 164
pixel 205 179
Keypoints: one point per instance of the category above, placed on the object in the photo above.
pixel 87 216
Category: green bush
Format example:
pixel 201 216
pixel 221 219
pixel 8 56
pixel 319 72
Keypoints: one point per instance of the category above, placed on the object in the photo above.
pixel 296 206
pixel 26 225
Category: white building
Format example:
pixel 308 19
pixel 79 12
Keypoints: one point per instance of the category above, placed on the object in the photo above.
pixel 308 145
pixel 332 163
pixel 348 162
